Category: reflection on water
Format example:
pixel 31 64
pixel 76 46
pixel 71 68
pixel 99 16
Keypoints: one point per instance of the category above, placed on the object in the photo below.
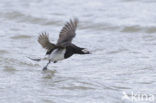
pixel 48 74
pixel 120 34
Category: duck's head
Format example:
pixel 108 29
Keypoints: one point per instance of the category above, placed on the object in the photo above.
pixel 85 51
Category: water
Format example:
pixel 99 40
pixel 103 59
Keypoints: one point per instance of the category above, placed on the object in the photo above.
pixel 119 33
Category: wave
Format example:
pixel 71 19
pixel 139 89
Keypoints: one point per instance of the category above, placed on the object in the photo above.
pixel 136 28
pixel 21 17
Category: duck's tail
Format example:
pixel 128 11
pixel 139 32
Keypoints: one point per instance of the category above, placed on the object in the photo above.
pixel 38 59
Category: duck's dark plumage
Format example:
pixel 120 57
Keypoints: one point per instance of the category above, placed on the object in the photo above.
pixel 73 49
pixel 63 45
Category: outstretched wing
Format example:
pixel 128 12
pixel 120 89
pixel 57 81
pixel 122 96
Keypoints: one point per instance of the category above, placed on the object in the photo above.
pixel 67 33
pixel 43 39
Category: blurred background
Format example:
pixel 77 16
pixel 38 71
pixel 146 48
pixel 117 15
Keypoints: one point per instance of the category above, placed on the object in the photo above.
pixel 119 33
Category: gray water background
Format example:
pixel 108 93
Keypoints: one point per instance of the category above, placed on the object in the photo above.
pixel 121 34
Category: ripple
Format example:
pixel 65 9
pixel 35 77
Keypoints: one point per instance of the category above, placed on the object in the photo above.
pixel 12 15
pixel 121 88
pixel 21 17
pixel 77 87
pixel 21 37
pixel 151 30
pixel 137 28
pixel 131 29
pixel 147 82
pixel 9 69
pixel 48 101
pixel 3 52
pixel 13 61
pixel 149 38
pixel 117 51
pixel 98 26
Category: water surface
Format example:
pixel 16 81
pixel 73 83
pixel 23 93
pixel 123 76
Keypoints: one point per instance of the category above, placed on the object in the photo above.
pixel 119 33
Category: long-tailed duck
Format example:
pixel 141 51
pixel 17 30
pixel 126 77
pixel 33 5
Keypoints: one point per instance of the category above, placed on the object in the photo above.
pixel 64 48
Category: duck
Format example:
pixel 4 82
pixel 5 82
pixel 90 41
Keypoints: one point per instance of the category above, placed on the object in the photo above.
pixel 64 48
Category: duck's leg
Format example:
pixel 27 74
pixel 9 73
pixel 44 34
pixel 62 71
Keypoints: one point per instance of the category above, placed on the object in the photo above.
pixel 45 68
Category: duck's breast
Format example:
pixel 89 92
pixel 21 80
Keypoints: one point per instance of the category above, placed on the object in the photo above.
pixel 57 55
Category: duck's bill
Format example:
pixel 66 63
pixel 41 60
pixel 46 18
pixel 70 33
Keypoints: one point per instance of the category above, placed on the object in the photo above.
pixel 85 51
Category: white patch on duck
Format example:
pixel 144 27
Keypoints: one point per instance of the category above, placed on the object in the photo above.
pixel 57 55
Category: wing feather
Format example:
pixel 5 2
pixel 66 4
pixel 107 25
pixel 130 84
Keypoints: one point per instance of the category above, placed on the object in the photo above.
pixel 43 39
pixel 67 33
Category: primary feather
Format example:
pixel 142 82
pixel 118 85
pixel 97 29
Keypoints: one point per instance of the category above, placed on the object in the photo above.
pixel 43 39
pixel 67 33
